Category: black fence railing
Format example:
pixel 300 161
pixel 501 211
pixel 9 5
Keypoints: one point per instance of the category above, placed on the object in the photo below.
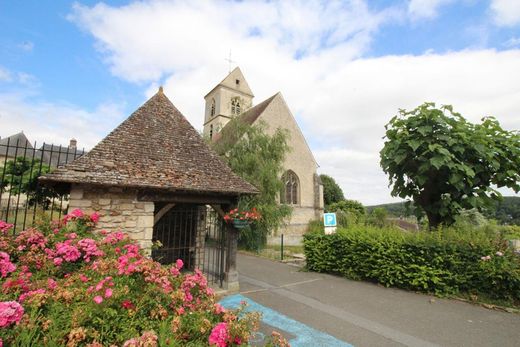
pixel 22 199
pixel 195 234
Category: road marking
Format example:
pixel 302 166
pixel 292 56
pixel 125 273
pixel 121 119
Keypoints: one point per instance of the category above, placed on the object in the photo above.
pixel 305 335
pixel 367 324
pixel 282 286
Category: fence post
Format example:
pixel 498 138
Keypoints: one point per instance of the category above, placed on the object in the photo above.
pixel 281 248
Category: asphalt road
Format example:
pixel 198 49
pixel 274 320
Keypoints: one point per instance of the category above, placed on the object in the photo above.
pixel 364 314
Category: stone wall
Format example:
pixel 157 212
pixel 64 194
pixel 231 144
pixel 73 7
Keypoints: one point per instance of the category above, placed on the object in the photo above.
pixel 118 209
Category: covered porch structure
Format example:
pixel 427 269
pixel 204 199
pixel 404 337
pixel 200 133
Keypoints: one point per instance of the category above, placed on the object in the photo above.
pixel 155 178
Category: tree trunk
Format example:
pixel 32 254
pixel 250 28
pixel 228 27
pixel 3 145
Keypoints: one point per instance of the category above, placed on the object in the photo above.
pixel 434 220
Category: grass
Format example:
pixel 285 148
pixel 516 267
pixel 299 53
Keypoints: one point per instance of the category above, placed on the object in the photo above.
pixel 274 252
pixel 28 215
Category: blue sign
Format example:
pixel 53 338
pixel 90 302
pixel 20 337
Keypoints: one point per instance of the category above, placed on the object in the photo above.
pixel 329 219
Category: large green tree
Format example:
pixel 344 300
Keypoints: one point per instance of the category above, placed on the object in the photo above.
pixel 446 164
pixel 331 190
pixel 21 177
pixel 257 157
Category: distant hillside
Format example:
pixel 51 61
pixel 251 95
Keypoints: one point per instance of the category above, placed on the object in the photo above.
pixel 396 209
pixel 506 212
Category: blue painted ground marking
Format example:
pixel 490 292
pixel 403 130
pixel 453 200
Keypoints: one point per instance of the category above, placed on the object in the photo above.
pixel 305 335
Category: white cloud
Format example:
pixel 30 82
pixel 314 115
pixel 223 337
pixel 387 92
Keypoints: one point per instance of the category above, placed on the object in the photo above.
pixel 506 12
pixel 26 46
pixel 512 42
pixel 420 9
pixel 313 53
pixel 5 75
pixel 56 123
pixel 145 41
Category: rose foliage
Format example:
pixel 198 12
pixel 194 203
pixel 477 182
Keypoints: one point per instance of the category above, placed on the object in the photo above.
pixel 62 285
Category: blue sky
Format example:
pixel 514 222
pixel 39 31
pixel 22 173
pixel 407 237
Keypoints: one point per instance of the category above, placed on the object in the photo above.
pixel 77 69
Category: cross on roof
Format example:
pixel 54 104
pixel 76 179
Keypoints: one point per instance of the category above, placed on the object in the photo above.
pixel 229 61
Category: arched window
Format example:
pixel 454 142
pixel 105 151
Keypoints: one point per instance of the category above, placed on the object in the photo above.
pixel 291 188
pixel 235 107
pixel 212 112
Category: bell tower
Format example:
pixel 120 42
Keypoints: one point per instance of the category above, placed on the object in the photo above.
pixel 226 100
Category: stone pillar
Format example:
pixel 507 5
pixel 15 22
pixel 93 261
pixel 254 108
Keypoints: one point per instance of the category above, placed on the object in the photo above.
pixel 231 275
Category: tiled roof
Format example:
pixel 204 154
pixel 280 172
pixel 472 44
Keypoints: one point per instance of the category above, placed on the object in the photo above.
pixel 60 155
pixel 157 148
pixel 17 145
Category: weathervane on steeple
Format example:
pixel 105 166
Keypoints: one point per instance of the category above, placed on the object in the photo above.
pixel 229 61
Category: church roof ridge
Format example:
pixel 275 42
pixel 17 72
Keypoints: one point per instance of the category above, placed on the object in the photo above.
pixel 228 83
pixel 155 147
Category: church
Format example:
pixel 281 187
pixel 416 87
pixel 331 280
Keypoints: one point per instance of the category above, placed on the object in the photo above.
pixel 303 191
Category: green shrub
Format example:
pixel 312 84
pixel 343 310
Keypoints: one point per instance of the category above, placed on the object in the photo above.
pixel 63 285
pixel 444 261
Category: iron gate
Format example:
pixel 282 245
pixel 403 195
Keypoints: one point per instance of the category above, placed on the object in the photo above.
pixel 195 234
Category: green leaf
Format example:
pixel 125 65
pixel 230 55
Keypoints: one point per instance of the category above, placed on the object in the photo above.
pixel 437 161
pixel 414 144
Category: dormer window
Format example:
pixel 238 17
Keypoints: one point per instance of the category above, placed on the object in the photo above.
pixel 235 107
pixel 212 112
pixel 237 82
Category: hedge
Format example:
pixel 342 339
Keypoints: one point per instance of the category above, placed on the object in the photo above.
pixel 442 262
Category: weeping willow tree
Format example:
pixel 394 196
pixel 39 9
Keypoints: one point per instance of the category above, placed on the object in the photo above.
pixel 257 157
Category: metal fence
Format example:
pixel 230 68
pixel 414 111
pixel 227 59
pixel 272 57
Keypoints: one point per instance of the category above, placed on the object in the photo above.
pixel 22 199
pixel 195 234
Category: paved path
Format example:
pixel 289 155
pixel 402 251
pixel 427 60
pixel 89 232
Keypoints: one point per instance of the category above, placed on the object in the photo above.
pixel 364 314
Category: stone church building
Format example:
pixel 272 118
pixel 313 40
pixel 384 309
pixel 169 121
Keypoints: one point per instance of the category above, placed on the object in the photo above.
pixel 303 191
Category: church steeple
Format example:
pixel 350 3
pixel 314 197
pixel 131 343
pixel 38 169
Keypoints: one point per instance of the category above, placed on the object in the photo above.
pixel 228 99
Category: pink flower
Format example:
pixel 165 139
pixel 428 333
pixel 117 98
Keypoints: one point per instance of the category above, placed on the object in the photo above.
pixel 77 213
pixel 499 253
pixel 67 251
pixel 51 284
pixel 10 312
pixel 108 293
pixel 72 236
pixel 179 263
pixel 219 308
pixel 174 271
pixel 4 227
pixel 57 261
pixel 94 217
pixel 149 339
pixel 83 278
pixel 31 293
pixel 89 247
pixel 98 299
pixel 219 335
pixel 127 304
pixel 180 311
pixel 5 264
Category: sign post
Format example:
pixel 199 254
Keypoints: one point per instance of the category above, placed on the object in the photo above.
pixel 329 221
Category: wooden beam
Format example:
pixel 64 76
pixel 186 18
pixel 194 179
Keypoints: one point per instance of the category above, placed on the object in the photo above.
pixel 162 212
pixel 219 210
pixel 174 197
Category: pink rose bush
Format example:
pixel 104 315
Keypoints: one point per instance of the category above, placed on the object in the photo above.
pixel 11 312
pixel 62 284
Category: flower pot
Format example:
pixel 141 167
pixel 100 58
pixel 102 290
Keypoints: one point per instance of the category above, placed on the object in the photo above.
pixel 240 224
